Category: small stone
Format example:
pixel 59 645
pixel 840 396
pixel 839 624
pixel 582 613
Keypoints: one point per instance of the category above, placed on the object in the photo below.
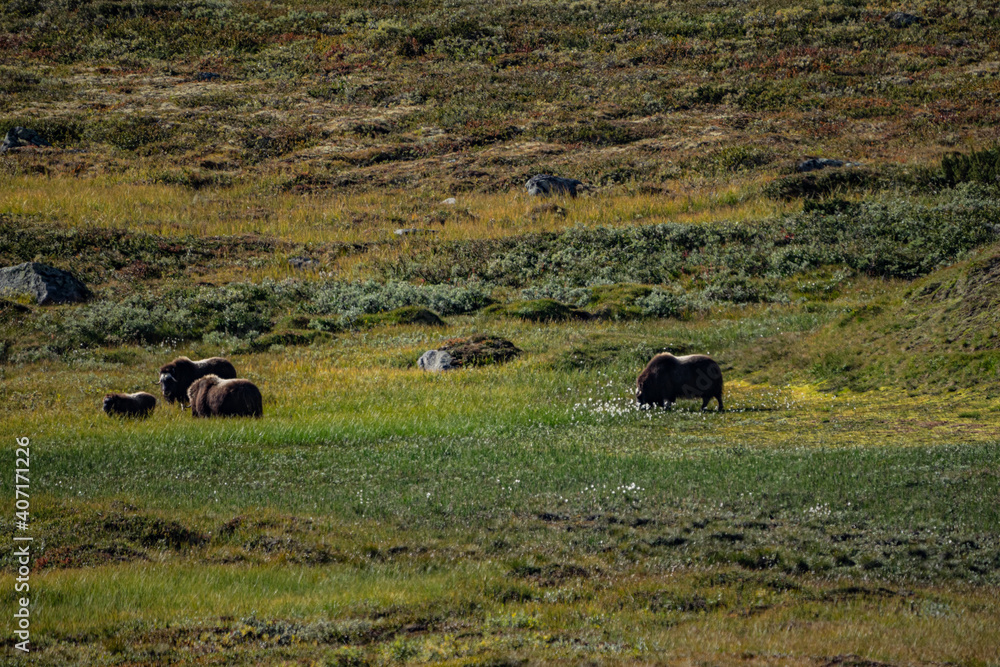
pixel 435 360
pixel 44 283
pixel 546 184
pixel 450 201
pixel 301 262
pixel 816 163
pixel 413 230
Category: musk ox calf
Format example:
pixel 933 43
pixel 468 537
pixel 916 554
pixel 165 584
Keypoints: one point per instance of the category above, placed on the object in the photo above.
pixel 211 396
pixel 139 404
pixel 177 376
pixel 667 378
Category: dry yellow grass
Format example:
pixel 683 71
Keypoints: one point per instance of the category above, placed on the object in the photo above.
pixel 118 202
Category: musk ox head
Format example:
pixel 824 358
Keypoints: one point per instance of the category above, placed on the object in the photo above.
pixel 168 385
pixel 643 396
pixel 176 377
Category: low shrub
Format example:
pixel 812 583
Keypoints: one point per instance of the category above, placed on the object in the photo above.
pixel 289 338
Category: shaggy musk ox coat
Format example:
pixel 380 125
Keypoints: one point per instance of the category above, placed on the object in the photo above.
pixel 667 378
pixel 177 376
pixel 212 396
pixel 139 404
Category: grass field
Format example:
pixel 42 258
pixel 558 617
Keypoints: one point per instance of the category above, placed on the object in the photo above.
pixel 228 177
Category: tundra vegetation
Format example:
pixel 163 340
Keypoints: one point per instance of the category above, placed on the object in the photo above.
pixel 227 177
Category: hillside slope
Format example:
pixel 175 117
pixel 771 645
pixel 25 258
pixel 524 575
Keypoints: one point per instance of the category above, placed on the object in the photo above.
pixel 942 332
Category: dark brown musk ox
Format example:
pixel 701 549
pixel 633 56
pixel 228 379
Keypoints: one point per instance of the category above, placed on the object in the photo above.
pixel 139 404
pixel 667 378
pixel 177 376
pixel 211 396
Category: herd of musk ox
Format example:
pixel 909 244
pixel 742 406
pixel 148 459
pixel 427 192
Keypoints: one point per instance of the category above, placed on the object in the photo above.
pixel 211 389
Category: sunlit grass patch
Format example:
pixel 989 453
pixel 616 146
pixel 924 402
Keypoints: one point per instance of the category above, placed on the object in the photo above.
pixel 404 614
pixel 132 203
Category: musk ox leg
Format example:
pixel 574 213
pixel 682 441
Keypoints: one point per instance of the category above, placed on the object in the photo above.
pixel 718 397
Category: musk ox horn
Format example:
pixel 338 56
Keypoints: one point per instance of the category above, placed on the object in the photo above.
pixel 165 376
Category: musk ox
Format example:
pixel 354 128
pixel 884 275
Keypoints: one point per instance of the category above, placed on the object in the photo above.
pixel 211 396
pixel 177 376
pixel 667 378
pixel 139 404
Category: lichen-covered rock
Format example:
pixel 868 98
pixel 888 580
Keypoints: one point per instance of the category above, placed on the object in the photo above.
pixel 480 350
pixel 546 184
pixel 21 136
pixel 44 283
pixel 435 360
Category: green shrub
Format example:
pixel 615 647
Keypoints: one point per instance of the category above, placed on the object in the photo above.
pixel 355 299
pixel 732 159
pixel 14 81
pixel 664 303
pixel 128 132
pixel 979 166
pixel 134 320
pixel 289 338
pixel 889 238
pixel 732 288
pixel 57 131
pixel 826 183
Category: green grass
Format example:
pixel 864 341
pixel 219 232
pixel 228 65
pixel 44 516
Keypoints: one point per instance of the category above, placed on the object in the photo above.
pixel 479 496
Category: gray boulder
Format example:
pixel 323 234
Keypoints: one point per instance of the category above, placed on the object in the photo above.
pixel 816 163
pixel 21 136
pixel 42 282
pixel 546 184
pixel 901 19
pixel 436 360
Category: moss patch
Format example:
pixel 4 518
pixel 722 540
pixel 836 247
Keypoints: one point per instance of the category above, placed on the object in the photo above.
pixel 538 310
pixel 404 315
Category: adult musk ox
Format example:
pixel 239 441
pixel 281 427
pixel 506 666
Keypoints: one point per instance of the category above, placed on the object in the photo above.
pixel 667 378
pixel 139 404
pixel 211 396
pixel 177 376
